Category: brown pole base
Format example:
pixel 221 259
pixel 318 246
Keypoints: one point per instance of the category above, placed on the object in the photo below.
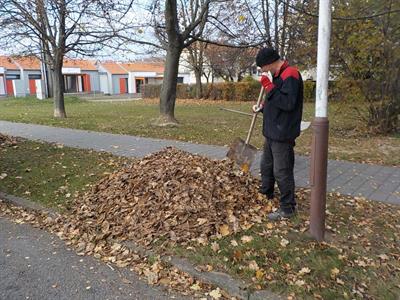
pixel 318 174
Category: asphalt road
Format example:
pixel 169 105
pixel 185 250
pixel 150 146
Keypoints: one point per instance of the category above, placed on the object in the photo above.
pixel 37 265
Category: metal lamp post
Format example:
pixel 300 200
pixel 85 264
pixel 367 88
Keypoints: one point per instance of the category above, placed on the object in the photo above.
pixel 319 148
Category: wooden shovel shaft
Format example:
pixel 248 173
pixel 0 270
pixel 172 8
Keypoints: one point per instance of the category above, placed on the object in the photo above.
pixel 304 124
pixel 236 111
pixel 253 120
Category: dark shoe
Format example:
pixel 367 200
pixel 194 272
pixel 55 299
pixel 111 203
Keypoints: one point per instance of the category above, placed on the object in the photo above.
pixel 281 214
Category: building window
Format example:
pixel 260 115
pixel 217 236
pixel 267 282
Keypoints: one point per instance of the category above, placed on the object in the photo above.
pixel 180 79
pixel 13 76
pixel 35 76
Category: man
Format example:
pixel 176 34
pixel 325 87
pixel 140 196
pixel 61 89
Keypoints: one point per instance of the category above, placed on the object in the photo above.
pixel 282 112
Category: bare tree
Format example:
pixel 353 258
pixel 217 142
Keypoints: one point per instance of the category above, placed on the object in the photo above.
pixel 230 63
pixel 195 60
pixel 178 31
pixel 274 21
pixel 233 23
pixel 176 25
pixel 51 29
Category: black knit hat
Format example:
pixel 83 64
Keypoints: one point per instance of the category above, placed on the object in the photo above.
pixel 266 56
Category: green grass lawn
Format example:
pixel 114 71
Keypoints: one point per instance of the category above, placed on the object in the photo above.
pixel 51 174
pixel 203 122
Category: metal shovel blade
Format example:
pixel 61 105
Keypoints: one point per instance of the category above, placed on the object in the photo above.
pixel 242 154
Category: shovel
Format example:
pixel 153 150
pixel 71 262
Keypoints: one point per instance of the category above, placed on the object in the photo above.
pixel 241 152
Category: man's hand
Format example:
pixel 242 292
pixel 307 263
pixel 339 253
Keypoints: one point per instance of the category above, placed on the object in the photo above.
pixel 257 108
pixel 266 83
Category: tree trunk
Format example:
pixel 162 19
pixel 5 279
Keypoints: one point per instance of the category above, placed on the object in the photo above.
pixel 48 72
pixel 199 86
pixel 58 89
pixel 50 83
pixel 168 89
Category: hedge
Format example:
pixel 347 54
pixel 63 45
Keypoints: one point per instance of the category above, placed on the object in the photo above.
pixel 229 91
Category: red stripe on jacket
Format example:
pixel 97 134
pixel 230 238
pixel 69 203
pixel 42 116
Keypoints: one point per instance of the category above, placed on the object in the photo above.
pixel 290 72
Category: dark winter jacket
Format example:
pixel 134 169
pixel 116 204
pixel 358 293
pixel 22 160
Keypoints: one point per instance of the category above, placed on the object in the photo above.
pixel 283 105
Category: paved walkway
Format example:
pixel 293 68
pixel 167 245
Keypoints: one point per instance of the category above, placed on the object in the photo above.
pixel 35 264
pixel 374 182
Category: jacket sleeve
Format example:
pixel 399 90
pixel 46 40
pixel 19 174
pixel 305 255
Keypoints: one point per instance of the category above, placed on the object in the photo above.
pixel 285 96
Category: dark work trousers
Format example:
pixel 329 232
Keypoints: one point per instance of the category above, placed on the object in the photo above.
pixel 277 163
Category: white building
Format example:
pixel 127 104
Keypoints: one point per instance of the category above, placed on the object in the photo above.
pixel 11 81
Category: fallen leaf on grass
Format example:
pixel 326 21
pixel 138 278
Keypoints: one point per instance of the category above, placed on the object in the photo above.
pixel 224 230
pixel 202 241
pixel 237 255
pixel 215 246
pixel 216 294
pixel 300 282
pixel 202 221
pixel 246 239
pixel 195 287
pixel 269 226
pixel 304 270
pixel 284 242
pixel 334 272
pixel 383 256
pixel 259 274
pixel 339 281
pixel 253 265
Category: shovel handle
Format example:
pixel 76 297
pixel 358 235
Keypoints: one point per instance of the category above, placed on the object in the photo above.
pixel 253 120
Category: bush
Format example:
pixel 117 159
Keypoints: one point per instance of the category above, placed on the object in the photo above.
pixel 345 90
pixel 249 78
pixel 151 90
pixel 339 90
pixel 229 91
pixel 248 90
pixel 309 91
pixel 383 116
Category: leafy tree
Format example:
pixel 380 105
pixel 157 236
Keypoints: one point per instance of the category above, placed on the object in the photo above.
pixel 366 48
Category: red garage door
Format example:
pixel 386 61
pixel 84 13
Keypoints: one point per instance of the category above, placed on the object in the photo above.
pixel 32 86
pixel 10 88
pixel 122 86
pixel 86 82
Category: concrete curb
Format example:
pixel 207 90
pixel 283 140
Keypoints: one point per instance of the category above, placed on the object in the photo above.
pixel 27 204
pixel 235 288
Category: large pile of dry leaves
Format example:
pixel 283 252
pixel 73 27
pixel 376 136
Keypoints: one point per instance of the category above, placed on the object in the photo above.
pixel 169 196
